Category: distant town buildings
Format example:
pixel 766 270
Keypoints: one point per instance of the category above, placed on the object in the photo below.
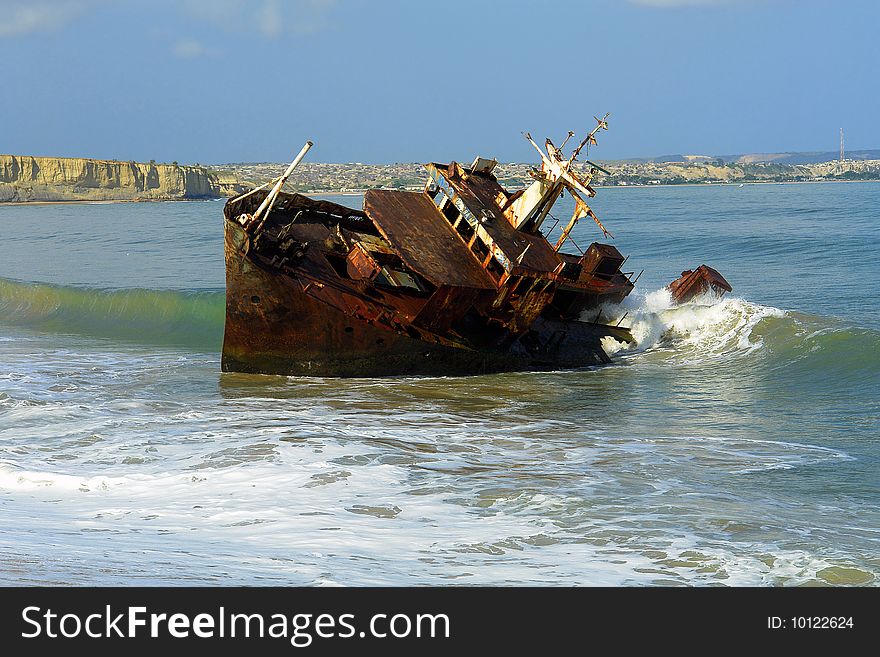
pixel 314 177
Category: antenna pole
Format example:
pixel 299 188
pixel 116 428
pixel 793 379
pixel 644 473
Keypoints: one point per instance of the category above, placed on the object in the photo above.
pixel 266 205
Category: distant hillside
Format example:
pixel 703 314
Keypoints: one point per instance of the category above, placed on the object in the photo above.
pixel 26 178
pixel 801 158
pixel 813 157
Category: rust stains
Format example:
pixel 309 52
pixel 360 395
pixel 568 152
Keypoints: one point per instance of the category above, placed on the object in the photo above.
pixel 424 240
pixel 456 279
pixel 702 280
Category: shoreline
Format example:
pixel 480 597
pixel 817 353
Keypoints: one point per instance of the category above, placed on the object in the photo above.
pixel 744 183
pixel 325 192
pixel 112 201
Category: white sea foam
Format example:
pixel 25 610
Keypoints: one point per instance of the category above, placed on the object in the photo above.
pixel 705 327
pixel 328 511
pixel 144 470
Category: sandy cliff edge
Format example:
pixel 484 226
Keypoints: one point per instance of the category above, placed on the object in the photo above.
pixel 26 178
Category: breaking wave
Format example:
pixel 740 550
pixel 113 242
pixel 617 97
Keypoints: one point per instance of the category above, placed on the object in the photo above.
pixel 161 317
pixel 731 329
pixel 706 329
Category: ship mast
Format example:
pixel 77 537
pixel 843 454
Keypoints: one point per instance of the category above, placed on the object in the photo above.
pixel 254 223
pixel 555 176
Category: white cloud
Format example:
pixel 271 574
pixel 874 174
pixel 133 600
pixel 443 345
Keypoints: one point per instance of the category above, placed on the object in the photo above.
pixel 191 48
pixel 268 18
pixel 21 17
pixel 226 13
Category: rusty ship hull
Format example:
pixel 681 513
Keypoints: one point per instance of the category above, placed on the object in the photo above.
pixel 459 278
pixel 277 324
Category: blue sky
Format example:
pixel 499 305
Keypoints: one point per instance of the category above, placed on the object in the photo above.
pixel 398 81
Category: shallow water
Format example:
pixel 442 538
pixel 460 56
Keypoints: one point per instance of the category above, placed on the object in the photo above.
pixel 736 444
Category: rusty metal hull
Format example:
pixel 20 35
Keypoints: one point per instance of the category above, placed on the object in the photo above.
pixel 274 326
pixel 693 283
pixel 455 279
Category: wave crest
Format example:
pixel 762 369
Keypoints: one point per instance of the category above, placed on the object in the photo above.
pixel 707 327
pixel 711 329
pixel 703 330
pixel 163 317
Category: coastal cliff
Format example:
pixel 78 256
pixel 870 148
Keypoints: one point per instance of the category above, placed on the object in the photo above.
pixel 25 178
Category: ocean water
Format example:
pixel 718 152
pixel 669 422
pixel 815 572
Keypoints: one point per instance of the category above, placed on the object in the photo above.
pixel 736 444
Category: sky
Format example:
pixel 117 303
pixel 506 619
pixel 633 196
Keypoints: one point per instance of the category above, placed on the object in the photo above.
pixel 215 81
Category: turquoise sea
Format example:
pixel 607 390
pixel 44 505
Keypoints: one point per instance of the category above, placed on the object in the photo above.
pixel 737 444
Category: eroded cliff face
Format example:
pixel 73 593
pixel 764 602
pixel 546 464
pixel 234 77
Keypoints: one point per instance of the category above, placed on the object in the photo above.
pixel 25 178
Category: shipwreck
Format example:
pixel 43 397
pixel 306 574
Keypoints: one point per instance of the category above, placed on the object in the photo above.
pixel 459 278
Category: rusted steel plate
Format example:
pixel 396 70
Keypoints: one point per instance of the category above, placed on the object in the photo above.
pixel 288 202
pixel 446 305
pixel 602 260
pixel 361 264
pixel 696 282
pixel 423 238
